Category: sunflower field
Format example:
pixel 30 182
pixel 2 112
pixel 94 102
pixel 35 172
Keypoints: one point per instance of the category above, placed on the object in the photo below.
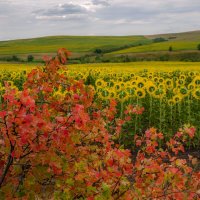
pixel 108 131
pixel 168 93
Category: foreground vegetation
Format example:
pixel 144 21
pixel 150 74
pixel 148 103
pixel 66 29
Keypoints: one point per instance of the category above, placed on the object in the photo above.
pixel 63 132
pixel 169 93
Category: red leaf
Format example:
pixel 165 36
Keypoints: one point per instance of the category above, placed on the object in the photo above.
pixel 2 114
pixel 138 142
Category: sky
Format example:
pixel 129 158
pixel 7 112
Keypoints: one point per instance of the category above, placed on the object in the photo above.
pixel 36 18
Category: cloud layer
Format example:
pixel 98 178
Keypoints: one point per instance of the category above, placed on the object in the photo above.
pixel 33 18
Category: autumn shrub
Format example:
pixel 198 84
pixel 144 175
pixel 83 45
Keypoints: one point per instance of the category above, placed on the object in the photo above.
pixel 58 142
pixel 161 173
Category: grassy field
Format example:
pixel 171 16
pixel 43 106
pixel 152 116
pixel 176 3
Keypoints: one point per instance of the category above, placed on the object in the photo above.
pixel 164 46
pixel 72 43
pixel 114 45
pixel 178 42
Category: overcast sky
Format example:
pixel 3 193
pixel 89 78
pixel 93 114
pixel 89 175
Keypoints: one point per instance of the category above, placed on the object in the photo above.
pixel 33 18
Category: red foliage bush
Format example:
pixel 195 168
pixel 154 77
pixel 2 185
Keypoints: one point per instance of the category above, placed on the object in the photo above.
pixel 62 145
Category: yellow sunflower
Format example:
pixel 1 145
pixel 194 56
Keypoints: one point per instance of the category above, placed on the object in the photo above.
pixel 140 93
pixel 196 93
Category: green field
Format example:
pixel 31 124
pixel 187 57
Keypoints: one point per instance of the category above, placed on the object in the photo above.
pixel 164 46
pixel 72 43
pixel 184 47
pixel 178 42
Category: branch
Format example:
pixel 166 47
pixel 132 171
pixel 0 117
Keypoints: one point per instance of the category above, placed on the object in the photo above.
pixel 10 158
pixel 9 163
pixel 25 168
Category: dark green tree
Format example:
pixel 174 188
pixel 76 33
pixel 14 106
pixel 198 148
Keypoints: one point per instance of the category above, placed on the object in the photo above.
pixel 160 39
pixel 30 58
pixel 98 51
pixel 198 47
pixel 170 48
pixel 15 58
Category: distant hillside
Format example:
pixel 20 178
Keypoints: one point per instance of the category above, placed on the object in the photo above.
pixel 76 44
pixel 191 36
pixel 178 42
pixel 87 49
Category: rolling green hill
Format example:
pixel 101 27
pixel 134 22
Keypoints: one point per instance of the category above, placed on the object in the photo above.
pixel 162 46
pixel 188 36
pixel 178 42
pixel 83 48
pixel 72 43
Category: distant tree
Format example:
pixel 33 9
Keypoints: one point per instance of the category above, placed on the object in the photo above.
pixel 15 58
pixel 172 37
pixel 164 57
pixel 198 47
pixel 98 51
pixel 160 39
pixel 30 58
pixel 170 48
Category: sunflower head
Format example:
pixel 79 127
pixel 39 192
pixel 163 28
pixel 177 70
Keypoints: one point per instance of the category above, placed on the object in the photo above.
pixel 196 93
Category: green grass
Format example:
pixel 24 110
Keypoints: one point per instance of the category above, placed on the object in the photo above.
pixel 72 43
pixel 163 46
pixel 82 45
pixel 178 41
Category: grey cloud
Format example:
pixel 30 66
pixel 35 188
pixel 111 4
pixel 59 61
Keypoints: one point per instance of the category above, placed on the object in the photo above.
pixel 65 9
pixel 142 11
pixel 117 12
pixel 33 18
pixel 5 8
pixel 101 2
